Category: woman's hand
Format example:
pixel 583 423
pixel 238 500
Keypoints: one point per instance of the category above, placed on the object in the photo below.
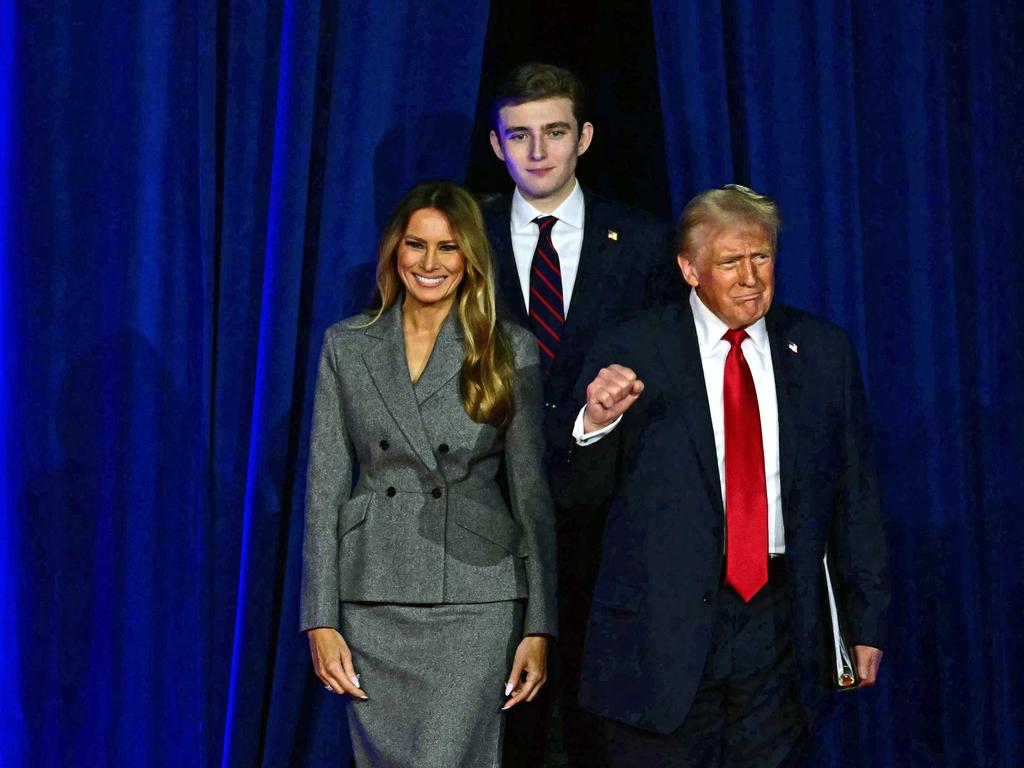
pixel 529 670
pixel 332 661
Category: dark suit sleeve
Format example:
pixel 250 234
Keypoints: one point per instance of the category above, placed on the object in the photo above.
pixel 529 495
pixel 328 485
pixel 858 540
pixel 593 475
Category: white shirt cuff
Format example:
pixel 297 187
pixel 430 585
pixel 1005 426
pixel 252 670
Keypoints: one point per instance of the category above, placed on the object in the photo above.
pixel 590 437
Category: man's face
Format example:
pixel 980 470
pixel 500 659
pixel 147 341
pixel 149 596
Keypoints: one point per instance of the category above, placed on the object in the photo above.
pixel 733 271
pixel 539 142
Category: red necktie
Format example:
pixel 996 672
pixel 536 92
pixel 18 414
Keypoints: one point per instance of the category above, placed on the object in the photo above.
pixel 547 312
pixel 746 499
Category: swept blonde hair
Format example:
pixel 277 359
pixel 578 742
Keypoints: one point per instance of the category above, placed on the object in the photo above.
pixel 730 204
pixel 488 369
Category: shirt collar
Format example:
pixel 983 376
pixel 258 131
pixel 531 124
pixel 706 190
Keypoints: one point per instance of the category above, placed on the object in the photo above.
pixel 569 212
pixel 710 329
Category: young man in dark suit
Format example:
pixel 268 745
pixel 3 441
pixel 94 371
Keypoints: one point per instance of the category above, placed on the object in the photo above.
pixel 733 435
pixel 567 262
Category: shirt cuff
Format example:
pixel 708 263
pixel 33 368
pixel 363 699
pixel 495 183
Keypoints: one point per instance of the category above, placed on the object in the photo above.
pixel 590 437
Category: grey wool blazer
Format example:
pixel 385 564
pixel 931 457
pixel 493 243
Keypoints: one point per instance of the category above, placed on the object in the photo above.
pixel 426 521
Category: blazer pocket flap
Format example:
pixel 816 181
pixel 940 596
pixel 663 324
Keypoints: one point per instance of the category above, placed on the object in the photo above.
pixel 615 594
pixel 353 513
pixel 495 525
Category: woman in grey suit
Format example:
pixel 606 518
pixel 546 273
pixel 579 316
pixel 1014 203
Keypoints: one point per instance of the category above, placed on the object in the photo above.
pixel 441 554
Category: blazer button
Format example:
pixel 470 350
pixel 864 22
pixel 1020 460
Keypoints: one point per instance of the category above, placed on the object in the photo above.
pixel 384 445
pixel 436 493
pixel 391 490
pixel 443 448
pixel 708 597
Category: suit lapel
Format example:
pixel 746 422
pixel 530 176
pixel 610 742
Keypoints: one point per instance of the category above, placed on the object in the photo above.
pixel 786 364
pixel 680 354
pixel 594 254
pixel 389 370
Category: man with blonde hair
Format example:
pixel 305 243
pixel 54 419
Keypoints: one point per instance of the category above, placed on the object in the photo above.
pixel 730 434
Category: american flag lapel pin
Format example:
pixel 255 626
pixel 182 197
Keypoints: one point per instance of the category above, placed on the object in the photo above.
pixel 613 235
pixel 794 348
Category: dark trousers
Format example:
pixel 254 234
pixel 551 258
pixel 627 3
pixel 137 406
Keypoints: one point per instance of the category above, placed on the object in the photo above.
pixel 552 731
pixel 745 713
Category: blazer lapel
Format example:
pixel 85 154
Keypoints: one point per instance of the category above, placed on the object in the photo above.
pixel 445 359
pixel 680 354
pixel 586 292
pixel 786 364
pixel 389 370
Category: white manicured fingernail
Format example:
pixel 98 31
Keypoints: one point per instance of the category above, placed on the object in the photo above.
pixel 508 688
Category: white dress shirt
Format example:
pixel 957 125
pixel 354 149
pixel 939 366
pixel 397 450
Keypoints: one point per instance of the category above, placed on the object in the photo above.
pixel 566 236
pixel 713 351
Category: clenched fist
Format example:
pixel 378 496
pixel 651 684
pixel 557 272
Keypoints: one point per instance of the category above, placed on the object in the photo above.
pixel 609 396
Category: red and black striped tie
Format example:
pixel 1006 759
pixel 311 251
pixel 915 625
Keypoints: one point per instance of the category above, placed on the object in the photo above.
pixel 547 311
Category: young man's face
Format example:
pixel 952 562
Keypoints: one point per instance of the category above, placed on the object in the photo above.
pixel 539 142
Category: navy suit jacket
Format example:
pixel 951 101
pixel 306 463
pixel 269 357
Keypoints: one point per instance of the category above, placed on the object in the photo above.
pixel 654 602
pixel 627 262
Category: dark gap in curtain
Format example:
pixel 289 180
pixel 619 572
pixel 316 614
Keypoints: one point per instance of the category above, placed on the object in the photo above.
pixel 735 94
pixel 207 560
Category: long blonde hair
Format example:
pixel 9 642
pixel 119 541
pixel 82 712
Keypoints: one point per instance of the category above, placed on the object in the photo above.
pixel 488 369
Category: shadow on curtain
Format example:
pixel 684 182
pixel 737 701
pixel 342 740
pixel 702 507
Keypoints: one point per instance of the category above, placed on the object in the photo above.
pixel 198 194
pixel 890 135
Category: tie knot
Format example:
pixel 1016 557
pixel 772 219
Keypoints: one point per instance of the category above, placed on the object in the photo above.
pixel 735 336
pixel 545 223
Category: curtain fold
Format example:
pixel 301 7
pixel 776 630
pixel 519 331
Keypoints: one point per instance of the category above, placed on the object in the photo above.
pixel 14 739
pixel 195 193
pixel 106 282
pixel 886 133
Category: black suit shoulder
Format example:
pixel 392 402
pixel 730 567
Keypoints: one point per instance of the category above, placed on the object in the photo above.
pixel 495 203
pixel 642 324
pixel 793 317
pixel 628 217
pixel 814 335
pixel 648 239
pixel 633 340
pixel 641 240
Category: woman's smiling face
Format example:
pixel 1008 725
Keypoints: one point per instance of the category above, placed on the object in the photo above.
pixel 429 261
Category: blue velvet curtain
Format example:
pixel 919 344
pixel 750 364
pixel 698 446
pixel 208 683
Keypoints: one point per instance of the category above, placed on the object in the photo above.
pixel 890 133
pixel 190 194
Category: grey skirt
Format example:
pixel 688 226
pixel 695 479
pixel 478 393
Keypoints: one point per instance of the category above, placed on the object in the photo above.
pixel 435 677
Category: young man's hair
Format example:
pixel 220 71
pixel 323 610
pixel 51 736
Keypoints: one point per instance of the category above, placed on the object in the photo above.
pixel 535 81
pixel 723 206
